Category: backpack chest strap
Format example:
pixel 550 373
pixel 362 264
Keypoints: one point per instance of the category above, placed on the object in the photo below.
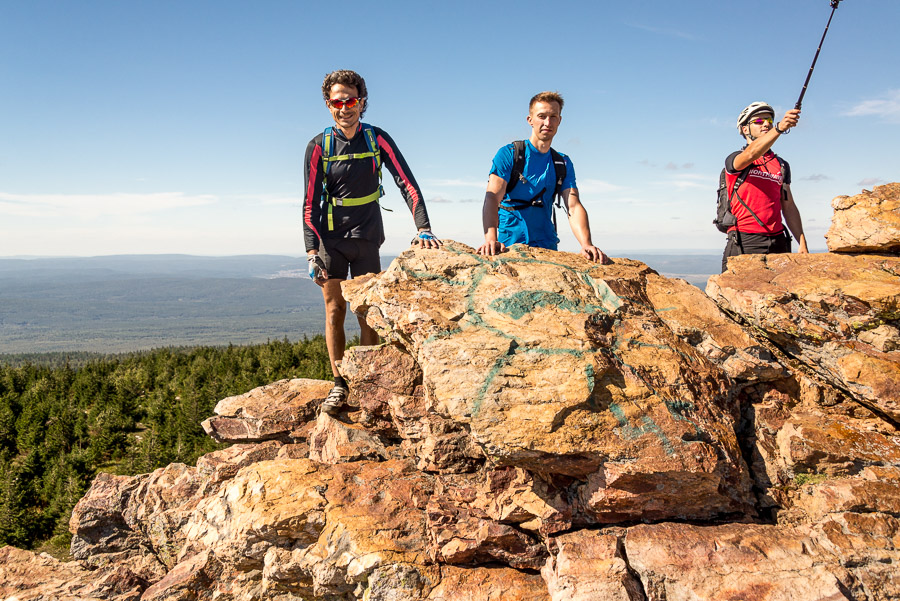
pixel 350 202
pixel 348 157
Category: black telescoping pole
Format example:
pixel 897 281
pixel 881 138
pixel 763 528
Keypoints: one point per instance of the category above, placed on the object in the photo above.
pixel 834 5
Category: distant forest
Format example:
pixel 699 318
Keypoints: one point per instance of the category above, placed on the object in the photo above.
pixel 62 422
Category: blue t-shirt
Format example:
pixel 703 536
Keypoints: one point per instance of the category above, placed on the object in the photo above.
pixel 530 225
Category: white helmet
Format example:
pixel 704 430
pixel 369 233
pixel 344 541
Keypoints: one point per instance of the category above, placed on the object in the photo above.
pixel 752 109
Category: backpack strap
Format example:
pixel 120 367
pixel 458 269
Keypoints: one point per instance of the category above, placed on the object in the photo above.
pixel 559 165
pixel 515 176
pixel 327 147
pixel 327 158
pixel 783 175
pixel 734 192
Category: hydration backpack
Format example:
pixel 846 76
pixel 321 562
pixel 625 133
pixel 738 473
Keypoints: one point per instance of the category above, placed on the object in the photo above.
pixel 725 219
pixel 327 159
pixel 516 176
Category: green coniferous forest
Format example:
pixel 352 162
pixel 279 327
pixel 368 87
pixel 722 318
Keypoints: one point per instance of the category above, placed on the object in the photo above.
pixel 63 422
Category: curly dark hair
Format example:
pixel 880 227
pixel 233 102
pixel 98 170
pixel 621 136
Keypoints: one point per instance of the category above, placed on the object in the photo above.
pixel 547 97
pixel 347 78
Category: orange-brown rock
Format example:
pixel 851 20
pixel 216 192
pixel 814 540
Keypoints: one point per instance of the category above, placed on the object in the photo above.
pixel 868 545
pixel 334 441
pixel 28 576
pixel 488 584
pixel 814 307
pixel 697 320
pixel 679 562
pixel 385 384
pixel 267 413
pixel 868 222
pixel 586 566
pixel 219 466
pixel 560 366
pixel 875 490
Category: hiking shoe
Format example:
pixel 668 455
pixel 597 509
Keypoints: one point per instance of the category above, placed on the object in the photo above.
pixel 335 399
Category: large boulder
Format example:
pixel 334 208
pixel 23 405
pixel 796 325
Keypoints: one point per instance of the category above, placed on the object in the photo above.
pixel 866 223
pixel 563 367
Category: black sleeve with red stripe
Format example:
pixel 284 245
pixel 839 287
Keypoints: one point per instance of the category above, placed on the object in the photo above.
pixel 312 193
pixel 403 177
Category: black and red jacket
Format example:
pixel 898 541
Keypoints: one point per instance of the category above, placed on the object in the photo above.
pixel 354 178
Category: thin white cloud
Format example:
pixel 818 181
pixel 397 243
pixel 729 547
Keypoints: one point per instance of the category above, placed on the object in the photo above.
pixel 682 181
pixel 597 186
pixel 283 200
pixel 95 205
pixel 673 167
pixel 887 108
pixel 870 181
pixel 456 183
pixel 674 33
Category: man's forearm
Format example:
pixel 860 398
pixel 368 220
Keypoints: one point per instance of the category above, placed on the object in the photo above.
pixel 581 228
pixel 490 218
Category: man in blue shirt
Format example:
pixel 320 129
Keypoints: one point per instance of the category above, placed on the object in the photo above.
pixel 524 216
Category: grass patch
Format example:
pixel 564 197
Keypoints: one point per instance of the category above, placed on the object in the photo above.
pixel 803 479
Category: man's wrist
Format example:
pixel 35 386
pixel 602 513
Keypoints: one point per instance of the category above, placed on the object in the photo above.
pixel 782 131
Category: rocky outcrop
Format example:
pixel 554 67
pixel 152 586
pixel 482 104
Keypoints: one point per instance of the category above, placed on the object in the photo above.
pixel 539 427
pixel 567 370
pixel 868 222
pixel 837 315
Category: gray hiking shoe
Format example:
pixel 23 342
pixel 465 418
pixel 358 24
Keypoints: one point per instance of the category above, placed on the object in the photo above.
pixel 335 399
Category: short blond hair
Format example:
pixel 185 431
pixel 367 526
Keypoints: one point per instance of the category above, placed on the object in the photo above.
pixel 547 97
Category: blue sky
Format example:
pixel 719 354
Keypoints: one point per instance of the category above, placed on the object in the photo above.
pixel 180 126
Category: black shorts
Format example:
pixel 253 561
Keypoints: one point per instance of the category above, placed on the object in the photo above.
pixel 353 255
pixel 755 244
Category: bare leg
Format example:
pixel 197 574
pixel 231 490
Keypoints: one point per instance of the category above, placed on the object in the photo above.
pixel 367 336
pixel 335 311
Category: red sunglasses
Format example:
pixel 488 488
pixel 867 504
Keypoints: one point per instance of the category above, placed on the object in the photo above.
pixel 347 102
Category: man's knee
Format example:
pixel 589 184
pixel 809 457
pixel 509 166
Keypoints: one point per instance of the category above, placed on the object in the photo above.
pixel 335 305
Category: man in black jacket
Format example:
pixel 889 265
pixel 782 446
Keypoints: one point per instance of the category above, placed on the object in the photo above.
pixel 342 225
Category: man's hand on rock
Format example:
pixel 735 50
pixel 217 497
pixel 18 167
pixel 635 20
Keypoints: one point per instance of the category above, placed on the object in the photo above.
pixel 491 248
pixel 425 239
pixel 593 253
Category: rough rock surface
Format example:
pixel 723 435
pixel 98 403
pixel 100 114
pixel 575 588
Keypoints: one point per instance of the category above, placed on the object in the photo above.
pixel 267 413
pixel 867 222
pixel 815 308
pixel 565 368
pixel 536 428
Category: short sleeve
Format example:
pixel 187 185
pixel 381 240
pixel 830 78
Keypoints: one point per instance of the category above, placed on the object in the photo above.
pixel 729 163
pixel 503 162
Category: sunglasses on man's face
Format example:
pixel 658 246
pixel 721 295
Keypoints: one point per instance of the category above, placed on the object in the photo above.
pixel 347 102
pixel 760 121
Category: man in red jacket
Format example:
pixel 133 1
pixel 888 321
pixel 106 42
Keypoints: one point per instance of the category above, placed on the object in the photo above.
pixel 765 194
